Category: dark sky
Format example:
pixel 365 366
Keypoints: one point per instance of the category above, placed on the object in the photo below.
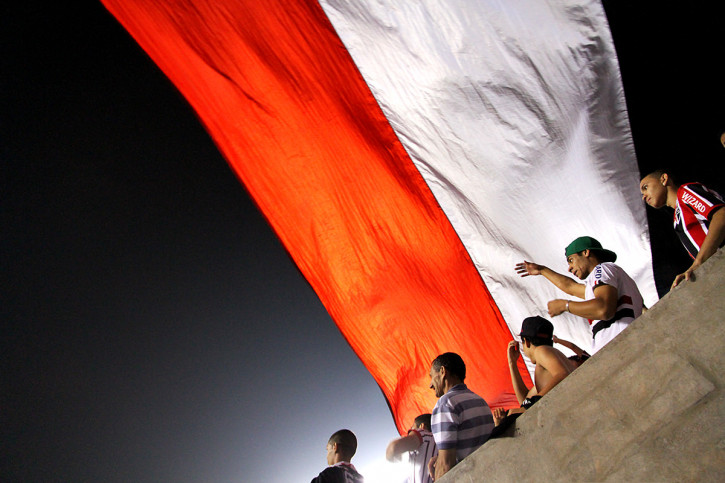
pixel 153 328
pixel 674 82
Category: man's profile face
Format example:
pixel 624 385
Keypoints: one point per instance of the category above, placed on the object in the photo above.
pixel 436 380
pixel 330 453
pixel 653 191
pixel 579 266
pixel 526 349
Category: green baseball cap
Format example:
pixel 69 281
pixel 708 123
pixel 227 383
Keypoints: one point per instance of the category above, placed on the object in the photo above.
pixel 588 243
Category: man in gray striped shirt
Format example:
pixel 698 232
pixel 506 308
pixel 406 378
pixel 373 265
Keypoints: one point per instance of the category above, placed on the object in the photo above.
pixel 461 420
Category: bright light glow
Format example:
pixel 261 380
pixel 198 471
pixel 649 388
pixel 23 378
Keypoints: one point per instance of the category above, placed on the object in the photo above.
pixel 382 471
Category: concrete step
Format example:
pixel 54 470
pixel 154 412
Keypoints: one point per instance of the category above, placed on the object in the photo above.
pixel 650 406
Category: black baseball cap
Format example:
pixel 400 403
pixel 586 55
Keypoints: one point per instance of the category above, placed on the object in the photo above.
pixel 537 327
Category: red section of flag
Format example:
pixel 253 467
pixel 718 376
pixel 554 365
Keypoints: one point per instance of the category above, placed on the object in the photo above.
pixel 285 104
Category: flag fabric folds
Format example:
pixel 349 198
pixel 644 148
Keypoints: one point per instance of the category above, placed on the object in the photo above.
pixel 408 154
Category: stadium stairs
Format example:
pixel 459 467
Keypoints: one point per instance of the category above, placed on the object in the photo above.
pixel 650 406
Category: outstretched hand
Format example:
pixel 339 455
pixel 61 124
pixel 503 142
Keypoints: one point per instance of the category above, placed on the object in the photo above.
pixel 528 268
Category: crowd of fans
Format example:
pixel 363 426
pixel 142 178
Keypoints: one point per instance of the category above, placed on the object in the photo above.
pixel 461 420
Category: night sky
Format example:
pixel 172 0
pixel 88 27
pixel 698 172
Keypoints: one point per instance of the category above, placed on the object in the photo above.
pixel 153 328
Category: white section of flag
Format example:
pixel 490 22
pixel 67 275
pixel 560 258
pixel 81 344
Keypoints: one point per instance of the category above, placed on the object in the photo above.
pixel 513 111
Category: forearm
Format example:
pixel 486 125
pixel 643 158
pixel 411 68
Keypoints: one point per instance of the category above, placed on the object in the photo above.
pixel 401 445
pixel 715 237
pixel 570 345
pixel 517 381
pixel 390 453
pixel 446 460
pixel 595 309
pixel 563 283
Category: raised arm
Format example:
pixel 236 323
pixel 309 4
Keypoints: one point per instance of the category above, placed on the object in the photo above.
pixel 713 240
pixel 577 350
pixel 402 445
pixel 564 283
pixel 512 353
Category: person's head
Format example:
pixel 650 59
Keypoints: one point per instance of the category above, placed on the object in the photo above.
pixel 585 253
pixel 654 187
pixel 722 139
pixel 578 360
pixel 341 447
pixel 422 422
pixel 446 371
pixel 536 331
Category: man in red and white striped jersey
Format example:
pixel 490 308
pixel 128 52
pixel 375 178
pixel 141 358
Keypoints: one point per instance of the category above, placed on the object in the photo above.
pixel 699 222
pixel 420 446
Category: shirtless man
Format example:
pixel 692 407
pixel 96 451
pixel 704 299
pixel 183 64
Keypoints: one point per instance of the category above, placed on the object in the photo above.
pixel 551 365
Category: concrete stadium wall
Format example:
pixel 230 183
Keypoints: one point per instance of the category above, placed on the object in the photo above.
pixel 650 406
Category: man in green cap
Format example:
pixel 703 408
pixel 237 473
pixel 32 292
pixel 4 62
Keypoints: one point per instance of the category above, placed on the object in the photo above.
pixel 611 298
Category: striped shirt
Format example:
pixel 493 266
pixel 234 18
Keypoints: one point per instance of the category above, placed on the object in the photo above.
pixel 419 458
pixel 461 420
pixel 629 302
pixel 693 212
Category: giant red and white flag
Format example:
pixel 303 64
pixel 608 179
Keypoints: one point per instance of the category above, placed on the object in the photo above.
pixel 408 154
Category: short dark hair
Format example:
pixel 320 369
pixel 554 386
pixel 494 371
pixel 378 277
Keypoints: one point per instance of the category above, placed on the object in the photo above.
pixel 423 419
pixel 537 341
pixel 453 364
pixel 657 173
pixel 600 255
pixel 346 442
pixel 578 358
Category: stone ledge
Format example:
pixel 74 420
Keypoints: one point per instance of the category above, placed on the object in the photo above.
pixel 648 407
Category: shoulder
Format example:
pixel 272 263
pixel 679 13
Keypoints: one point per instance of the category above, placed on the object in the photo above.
pixel 595 277
pixel 689 193
pixel 608 271
pixel 333 474
pixel 417 433
pixel 545 349
pixel 453 394
pixel 689 187
pixel 546 354
pixel 329 474
pixel 464 398
pixel 457 400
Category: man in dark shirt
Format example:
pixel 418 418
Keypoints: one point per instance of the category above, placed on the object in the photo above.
pixel 340 449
